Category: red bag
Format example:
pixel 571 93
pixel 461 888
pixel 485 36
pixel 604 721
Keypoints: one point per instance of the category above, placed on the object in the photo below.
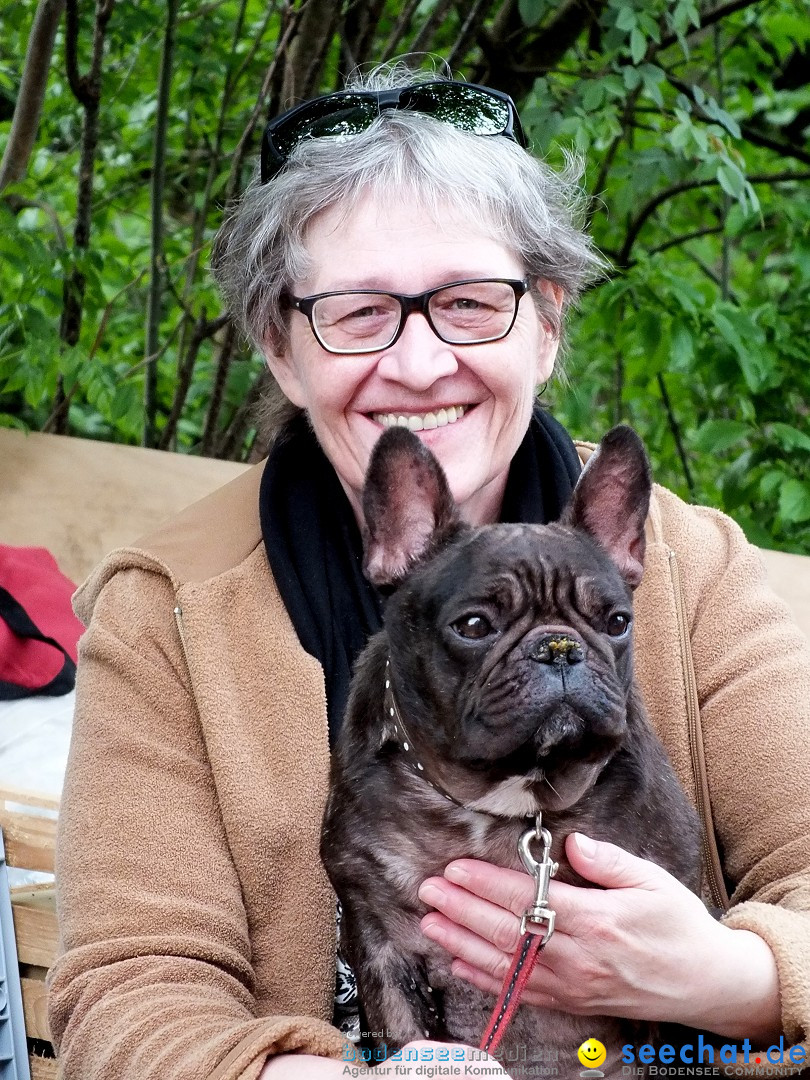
pixel 38 630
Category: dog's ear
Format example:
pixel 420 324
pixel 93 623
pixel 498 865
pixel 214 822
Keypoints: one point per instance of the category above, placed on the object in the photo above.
pixel 408 509
pixel 611 500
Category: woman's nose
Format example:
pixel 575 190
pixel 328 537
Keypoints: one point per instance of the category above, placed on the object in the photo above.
pixel 418 358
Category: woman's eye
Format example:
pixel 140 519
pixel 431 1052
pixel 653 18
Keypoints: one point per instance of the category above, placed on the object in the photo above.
pixel 363 313
pixel 473 627
pixel 618 624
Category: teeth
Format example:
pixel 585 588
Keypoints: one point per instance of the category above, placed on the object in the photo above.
pixel 422 421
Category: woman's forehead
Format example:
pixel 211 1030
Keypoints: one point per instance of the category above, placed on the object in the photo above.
pixel 373 236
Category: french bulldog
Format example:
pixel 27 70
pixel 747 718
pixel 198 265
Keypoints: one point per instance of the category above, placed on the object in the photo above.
pixel 501 686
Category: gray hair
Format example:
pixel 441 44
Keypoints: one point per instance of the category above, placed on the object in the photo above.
pixel 260 250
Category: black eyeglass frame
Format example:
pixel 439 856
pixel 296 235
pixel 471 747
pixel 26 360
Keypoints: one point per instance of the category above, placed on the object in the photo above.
pixel 273 158
pixel 408 304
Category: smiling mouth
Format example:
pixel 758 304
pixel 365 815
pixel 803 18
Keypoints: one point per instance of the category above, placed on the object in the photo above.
pixel 422 421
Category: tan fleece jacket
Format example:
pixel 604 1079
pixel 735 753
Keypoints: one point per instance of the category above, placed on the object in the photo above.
pixel 197 922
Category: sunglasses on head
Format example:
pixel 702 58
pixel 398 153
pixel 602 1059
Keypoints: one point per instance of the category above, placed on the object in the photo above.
pixel 468 107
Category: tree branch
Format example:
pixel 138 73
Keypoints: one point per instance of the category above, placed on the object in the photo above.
pixel 218 390
pixel 470 28
pixel 748 131
pixel 16 203
pixel 515 56
pixel 232 185
pixel 678 189
pixel 230 444
pixel 786 149
pixel 306 52
pixel 74 285
pixel 433 20
pixel 31 94
pixel 157 271
pixel 674 427
pixel 75 80
pixel 708 18
pixel 399 28
pixel 710 231
pixel 203 329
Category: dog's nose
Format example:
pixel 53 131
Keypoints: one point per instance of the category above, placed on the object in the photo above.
pixel 557 649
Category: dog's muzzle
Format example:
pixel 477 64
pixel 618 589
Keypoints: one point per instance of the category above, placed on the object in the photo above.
pixel 559 649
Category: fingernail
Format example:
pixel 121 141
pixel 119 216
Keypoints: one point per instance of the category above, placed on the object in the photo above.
pixel 457 873
pixel 431 894
pixel 431 929
pixel 587 847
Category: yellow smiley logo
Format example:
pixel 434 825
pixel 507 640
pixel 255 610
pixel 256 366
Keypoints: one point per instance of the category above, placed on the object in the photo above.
pixel 592 1054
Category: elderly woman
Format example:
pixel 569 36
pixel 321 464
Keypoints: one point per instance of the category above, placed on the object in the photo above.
pixel 198 926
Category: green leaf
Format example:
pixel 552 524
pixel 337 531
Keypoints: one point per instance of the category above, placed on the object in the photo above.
pixel 681 346
pixel 531 11
pixel 794 501
pixel 790 438
pixel 770 483
pixel 722 117
pixel 638 45
pixel 731 179
pixel 593 95
pixel 748 341
pixel 653 77
pixel 716 436
pixel 626 19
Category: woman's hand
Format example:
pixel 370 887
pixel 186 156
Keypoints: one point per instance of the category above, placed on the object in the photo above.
pixel 643 947
pixel 308 1067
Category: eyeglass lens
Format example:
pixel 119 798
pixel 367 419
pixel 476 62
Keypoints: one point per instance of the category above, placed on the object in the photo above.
pixel 459 314
pixel 466 108
pixel 347 114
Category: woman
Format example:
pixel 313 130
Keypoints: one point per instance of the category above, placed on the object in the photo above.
pixel 198 926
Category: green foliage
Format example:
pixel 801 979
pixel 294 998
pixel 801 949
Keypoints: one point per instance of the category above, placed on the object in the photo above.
pixel 694 129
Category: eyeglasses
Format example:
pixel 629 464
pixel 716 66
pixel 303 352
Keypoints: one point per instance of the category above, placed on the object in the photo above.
pixel 460 313
pixel 467 106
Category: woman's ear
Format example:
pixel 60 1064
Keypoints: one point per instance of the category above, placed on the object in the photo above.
pixel 550 342
pixel 277 356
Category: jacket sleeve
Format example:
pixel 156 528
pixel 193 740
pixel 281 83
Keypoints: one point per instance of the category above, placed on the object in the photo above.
pixel 155 978
pixel 752 668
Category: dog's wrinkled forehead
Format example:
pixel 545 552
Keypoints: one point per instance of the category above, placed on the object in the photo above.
pixel 543 570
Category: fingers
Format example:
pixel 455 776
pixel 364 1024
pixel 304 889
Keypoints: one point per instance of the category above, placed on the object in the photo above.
pixel 483 964
pixel 611 866
pixel 489 920
pixel 509 889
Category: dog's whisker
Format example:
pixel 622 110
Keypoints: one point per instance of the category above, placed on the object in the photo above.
pixel 552 788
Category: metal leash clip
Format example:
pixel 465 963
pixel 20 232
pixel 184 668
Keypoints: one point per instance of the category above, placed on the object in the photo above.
pixel 543 871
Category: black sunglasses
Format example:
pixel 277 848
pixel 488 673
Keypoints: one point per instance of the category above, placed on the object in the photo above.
pixel 467 106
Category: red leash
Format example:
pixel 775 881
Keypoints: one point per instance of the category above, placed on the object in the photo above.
pixel 541 917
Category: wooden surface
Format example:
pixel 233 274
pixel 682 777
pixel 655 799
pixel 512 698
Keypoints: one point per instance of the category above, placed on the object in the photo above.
pixel 81 498
pixel 43 1068
pixel 35 1004
pixel 35 928
pixel 789 577
pixel 28 821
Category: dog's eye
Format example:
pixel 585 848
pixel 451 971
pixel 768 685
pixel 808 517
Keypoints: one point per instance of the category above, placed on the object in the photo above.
pixel 473 627
pixel 618 624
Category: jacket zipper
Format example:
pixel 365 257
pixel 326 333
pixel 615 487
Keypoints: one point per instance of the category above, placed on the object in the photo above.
pixel 178 618
pixel 717 890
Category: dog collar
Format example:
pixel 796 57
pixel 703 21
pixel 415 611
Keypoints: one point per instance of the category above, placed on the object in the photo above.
pixel 394 717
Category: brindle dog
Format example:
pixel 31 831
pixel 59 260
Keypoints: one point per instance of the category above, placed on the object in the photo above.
pixel 508 651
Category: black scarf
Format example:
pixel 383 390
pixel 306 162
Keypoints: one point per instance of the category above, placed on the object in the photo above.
pixel 315 551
